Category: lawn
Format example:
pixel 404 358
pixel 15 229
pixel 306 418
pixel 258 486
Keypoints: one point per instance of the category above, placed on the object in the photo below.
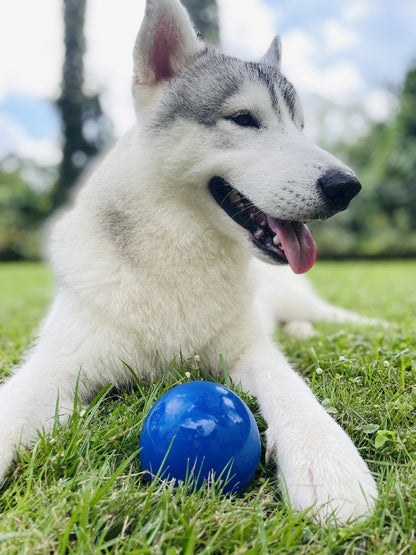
pixel 82 491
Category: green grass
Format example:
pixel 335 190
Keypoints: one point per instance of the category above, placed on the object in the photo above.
pixel 25 290
pixel 82 491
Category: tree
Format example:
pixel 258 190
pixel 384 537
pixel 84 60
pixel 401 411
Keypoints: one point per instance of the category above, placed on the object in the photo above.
pixel 204 14
pixel 85 129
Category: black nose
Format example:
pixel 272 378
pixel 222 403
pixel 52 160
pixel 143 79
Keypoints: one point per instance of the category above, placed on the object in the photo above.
pixel 338 189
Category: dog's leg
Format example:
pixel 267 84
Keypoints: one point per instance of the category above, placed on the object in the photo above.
pixel 288 299
pixel 28 401
pixel 319 466
pixel 70 357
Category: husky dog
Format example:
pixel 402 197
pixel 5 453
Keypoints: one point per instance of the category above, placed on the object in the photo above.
pixel 155 258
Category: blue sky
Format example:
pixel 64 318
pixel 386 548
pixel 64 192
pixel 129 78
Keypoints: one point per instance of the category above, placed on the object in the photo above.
pixel 343 55
pixel 385 30
pixel 37 115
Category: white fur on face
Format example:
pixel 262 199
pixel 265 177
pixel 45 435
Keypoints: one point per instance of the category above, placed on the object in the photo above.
pixel 276 166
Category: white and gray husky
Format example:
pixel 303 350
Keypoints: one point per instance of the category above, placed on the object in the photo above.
pixel 154 259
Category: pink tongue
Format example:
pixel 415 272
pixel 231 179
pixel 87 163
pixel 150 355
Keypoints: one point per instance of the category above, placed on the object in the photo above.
pixel 297 242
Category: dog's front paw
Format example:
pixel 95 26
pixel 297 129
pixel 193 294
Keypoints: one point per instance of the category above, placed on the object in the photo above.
pixel 328 477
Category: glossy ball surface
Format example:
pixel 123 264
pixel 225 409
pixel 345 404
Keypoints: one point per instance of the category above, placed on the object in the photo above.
pixel 198 432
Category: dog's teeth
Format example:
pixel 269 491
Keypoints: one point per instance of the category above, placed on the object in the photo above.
pixel 276 241
pixel 259 234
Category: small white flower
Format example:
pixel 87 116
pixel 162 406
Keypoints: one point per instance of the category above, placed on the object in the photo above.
pixel 188 375
pixel 342 359
pixel 319 371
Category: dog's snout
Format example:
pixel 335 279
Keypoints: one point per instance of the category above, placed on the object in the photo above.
pixel 338 188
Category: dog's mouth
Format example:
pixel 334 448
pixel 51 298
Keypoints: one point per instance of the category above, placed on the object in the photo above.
pixel 285 242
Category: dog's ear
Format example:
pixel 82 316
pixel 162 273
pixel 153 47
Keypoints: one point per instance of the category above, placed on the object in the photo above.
pixel 273 56
pixel 166 40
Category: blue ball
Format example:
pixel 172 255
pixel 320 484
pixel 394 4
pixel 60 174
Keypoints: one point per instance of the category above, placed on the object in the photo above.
pixel 200 432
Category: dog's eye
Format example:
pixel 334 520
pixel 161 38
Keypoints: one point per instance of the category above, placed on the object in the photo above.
pixel 244 119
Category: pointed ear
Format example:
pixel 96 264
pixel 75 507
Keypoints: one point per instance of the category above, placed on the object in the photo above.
pixel 273 56
pixel 165 42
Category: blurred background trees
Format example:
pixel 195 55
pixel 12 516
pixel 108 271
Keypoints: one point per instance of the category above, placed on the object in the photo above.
pixel 381 222
pixel 23 209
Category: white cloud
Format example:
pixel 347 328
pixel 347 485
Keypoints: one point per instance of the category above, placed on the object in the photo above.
pixel 379 104
pixel 355 11
pixel 324 89
pixel 300 50
pixel 338 36
pixel 338 82
pixel 247 27
pixel 15 140
pixel 31 48
pixel 111 29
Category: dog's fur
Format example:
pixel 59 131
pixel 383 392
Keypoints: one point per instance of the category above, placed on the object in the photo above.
pixel 149 266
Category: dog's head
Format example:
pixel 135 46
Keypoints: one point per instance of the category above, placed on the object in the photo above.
pixel 235 128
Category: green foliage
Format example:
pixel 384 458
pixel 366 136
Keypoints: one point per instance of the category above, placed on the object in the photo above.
pixel 381 221
pixel 82 490
pixel 22 212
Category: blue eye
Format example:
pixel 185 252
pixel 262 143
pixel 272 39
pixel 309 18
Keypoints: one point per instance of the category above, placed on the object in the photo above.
pixel 244 119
